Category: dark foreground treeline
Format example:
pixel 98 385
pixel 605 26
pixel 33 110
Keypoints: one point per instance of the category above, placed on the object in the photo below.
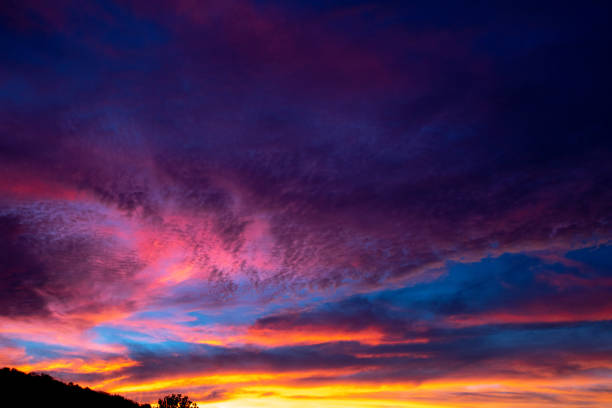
pixel 23 390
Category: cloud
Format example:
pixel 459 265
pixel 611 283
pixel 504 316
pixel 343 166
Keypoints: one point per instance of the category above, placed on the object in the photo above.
pixel 355 190
pixel 510 289
pixel 22 275
pixel 339 193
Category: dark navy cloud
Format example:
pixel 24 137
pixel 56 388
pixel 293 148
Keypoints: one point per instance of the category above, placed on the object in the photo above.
pixel 21 273
pixel 509 289
pixel 519 351
pixel 51 268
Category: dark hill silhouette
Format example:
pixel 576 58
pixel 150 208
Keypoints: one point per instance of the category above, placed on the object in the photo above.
pixel 18 389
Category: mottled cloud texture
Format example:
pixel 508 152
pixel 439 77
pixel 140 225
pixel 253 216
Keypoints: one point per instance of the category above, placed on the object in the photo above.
pixel 309 203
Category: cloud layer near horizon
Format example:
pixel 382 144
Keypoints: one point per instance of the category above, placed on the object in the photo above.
pixel 260 202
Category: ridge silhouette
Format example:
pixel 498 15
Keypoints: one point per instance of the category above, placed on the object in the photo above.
pixel 18 389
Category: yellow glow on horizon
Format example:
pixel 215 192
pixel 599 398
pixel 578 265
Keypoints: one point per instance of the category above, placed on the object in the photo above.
pixel 230 378
pixel 278 402
pixel 438 395
pixel 291 391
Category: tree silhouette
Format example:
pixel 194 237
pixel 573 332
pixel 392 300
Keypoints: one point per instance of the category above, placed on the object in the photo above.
pixel 176 401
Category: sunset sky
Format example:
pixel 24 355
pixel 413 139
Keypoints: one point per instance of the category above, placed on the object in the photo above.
pixel 309 203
